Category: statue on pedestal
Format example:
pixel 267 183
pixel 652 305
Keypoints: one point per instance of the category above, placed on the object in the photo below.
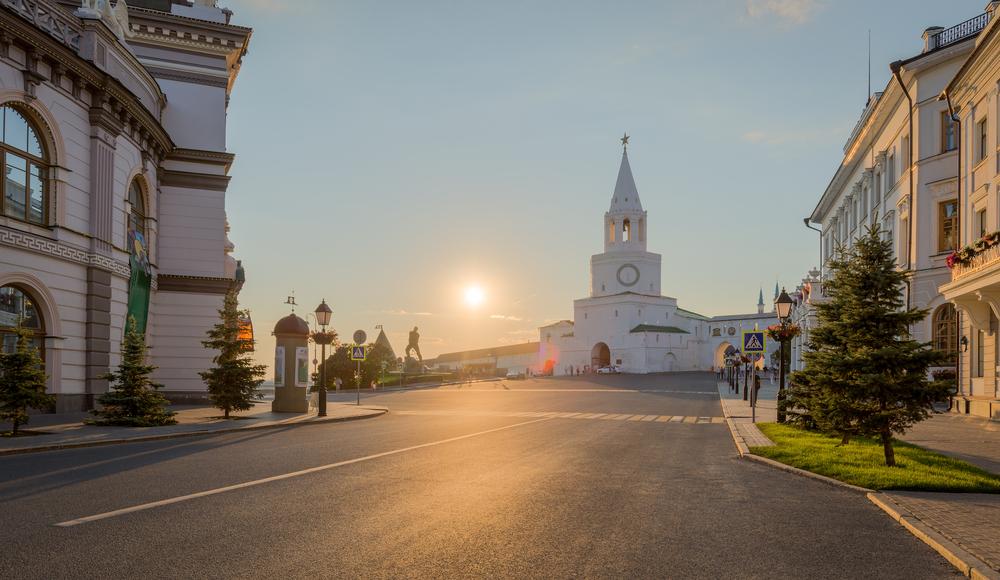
pixel 413 344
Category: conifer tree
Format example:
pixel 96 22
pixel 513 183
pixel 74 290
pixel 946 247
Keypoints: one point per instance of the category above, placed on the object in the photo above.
pixel 864 374
pixel 233 382
pixel 22 382
pixel 134 399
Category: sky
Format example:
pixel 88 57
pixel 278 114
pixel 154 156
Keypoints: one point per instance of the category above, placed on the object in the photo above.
pixel 392 154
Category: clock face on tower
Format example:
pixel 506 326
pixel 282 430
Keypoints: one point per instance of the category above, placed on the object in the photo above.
pixel 628 275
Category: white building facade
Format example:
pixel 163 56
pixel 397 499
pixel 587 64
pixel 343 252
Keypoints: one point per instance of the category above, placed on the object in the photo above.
pixel 900 172
pixel 626 321
pixel 974 282
pixel 114 144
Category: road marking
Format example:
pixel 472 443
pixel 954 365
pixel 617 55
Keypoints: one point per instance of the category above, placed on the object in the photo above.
pixel 700 420
pixel 183 498
pixel 449 389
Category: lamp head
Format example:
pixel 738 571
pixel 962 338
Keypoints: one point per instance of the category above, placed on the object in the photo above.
pixel 323 313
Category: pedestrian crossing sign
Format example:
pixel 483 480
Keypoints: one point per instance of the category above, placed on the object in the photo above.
pixel 754 342
pixel 358 352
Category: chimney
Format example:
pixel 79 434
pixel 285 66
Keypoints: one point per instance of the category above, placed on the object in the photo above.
pixel 928 36
pixel 992 6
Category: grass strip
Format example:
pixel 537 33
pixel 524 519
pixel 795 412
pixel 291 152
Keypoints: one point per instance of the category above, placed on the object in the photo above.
pixel 862 463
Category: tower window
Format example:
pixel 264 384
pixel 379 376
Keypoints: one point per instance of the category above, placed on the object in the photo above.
pixel 611 231
pixel 626 231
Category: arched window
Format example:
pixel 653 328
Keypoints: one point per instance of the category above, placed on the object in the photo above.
pixel 944 330
pixel 611 231
pixel 17 308
pixel 137 210
pixel 626 230
pixel 24 163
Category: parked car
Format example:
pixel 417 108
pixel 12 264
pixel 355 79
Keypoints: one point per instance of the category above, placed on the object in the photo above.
pixel 608 370
pixel 515 374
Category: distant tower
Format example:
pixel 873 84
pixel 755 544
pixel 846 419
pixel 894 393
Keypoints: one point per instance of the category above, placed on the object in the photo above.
pixel 760 302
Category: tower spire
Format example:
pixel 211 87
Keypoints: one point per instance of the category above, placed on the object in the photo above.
pixel 760 302
pixel 626 196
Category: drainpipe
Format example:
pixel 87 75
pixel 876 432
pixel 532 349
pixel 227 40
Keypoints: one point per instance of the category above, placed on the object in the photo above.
pixel 806 222
pixel 896 67
pixel 958 226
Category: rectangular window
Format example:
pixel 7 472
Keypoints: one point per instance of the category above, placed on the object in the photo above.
pixel 948 133
pixel 887 223
pixel 904 154
pixel 878 186
pixel 890 172
pixel 981 147
pixel 947 225
pixel 980 222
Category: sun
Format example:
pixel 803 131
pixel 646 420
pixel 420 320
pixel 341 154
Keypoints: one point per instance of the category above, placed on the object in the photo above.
pixel 474 296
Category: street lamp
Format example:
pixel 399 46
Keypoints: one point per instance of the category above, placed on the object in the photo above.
pixel 783 306
pixel 323 338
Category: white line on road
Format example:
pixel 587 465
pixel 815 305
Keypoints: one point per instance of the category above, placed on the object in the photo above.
pixel 179 499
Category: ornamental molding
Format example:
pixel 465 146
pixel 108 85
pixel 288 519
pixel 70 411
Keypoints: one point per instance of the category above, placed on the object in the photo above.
pixel 50 18
pixel 39 245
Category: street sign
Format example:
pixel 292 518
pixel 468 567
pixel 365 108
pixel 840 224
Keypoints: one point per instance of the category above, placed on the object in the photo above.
pixel 754 342
pixel 358 352
pixel 360 337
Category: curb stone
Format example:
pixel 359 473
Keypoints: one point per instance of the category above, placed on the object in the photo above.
pixel 146 438
pixel 966 563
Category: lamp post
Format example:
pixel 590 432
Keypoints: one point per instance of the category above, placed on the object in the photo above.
pixel 323 338
pixel 783 307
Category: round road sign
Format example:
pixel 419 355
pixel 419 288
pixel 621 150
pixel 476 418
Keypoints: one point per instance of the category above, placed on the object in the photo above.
pixel 360 337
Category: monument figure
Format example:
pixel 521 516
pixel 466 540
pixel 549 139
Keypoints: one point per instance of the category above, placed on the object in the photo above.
pixel 413 344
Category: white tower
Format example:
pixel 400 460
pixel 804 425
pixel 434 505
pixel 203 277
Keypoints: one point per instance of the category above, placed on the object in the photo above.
pixel 625 265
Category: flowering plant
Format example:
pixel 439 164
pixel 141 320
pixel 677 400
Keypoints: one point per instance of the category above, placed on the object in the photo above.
pixel 964 256
pixel 783 332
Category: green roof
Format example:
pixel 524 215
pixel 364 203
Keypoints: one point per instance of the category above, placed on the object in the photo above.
pixel 655 328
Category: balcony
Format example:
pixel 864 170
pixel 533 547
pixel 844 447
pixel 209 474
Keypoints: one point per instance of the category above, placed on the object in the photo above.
pixel 985 260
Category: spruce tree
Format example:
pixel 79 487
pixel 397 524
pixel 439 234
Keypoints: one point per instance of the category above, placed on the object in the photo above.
pixel 22 382
pixel 134 399
pixel 864 374
pixel 233 382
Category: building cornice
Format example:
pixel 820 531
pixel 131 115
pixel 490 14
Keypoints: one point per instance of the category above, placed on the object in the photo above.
pixel 192 180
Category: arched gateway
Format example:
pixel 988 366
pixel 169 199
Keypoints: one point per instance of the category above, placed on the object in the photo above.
pixel 600 356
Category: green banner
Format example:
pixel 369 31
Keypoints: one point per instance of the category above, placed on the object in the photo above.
pixel 140 280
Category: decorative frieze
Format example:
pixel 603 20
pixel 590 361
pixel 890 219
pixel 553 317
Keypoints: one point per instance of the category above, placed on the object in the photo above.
pixel 31 242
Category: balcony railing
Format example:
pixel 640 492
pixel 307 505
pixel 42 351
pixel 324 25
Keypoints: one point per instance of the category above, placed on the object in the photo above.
pixel 960 32
pixel 48 16
pixel 987 259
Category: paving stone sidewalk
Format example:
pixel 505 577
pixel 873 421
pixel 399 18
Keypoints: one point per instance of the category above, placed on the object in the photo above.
pixel 741 415
pixel 67 430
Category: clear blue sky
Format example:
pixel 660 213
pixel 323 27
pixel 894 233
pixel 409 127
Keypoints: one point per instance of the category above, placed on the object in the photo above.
pixel 391 153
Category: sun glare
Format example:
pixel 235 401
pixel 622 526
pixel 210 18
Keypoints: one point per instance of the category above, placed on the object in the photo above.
pixel 474 296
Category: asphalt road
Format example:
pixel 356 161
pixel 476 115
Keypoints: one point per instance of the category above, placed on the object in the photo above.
pixel 453 482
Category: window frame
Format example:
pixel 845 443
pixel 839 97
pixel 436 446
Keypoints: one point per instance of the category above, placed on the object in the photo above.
pixel 943 221
pixel 42 163
pixel 982 147
pixel 39 333
pixel 944 331
pixel 949 133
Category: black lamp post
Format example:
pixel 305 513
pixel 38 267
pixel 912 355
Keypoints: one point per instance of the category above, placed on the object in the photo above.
pixel 783 307
pixel 323 338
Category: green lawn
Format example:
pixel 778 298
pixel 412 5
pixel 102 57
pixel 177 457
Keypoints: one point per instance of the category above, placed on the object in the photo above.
pixel 862 463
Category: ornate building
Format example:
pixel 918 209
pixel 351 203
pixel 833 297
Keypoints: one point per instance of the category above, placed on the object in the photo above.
pixel 116 171
pixel 626 321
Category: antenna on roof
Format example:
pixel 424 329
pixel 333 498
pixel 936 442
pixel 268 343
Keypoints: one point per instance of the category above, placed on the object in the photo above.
pixel 869 95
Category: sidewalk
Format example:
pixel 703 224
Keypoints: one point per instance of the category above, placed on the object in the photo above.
pixel 740 415
pixel 964 528
pixel 65 431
